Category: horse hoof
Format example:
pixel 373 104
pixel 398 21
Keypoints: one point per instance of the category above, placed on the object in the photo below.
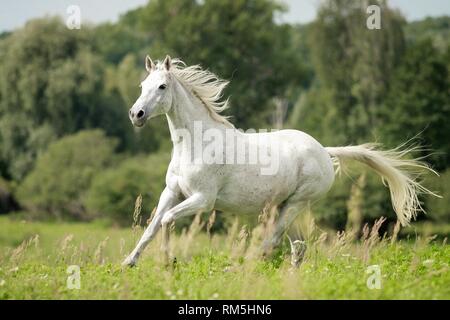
pixel 128 263
pixel 298 249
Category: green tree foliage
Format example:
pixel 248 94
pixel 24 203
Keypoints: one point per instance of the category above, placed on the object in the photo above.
pixel 62 175
pixel 51 84
pixel 357 72
pixel 7 200
pixel 419 102
pixel 353 66
pixel 332 210
pixel 239 40
pixel 128 69
pixel 437 29
pixel 115 41
pixel 438 209
pixel 114 191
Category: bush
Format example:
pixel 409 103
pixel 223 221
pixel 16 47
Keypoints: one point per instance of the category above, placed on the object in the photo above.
pixel 333 209
pixel 7 201
pixel 438 209
pixel 57 185
pixel 114 191
pixel 53 83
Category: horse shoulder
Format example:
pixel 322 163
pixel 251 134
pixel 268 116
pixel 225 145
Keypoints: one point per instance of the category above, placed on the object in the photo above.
pixel 172 175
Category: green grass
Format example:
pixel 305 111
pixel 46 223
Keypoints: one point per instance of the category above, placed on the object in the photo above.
pixel 216 267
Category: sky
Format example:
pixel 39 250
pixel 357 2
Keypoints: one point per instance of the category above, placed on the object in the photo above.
pixel 305 10
pixel 14 14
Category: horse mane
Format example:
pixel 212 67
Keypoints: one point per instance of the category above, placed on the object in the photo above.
pixel 205 85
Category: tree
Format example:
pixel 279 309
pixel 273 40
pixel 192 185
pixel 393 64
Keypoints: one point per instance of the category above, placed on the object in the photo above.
pixel 114 191
pixel 7 201
pixel 419 102
pixel 353 67
pixel 237 40
pixel 51 84
pixel 437 29
pixel 58 184
pixel 115 41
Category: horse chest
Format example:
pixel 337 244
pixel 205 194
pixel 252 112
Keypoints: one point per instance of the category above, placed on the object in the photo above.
pixel 191 178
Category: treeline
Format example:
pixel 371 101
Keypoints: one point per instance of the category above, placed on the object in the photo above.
pixel 67 149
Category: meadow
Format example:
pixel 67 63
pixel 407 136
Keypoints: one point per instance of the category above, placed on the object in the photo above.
pixel 35 256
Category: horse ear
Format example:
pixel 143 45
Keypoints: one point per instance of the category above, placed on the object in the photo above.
pixel 149 65
pixel 167 62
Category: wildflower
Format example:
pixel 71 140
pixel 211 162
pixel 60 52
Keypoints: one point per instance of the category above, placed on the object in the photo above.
pixel 428 262
pixel 15 269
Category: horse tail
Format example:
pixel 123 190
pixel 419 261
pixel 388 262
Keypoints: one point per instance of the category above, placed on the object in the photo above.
pixel 400 174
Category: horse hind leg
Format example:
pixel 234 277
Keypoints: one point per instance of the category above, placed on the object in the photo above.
pixel 288 213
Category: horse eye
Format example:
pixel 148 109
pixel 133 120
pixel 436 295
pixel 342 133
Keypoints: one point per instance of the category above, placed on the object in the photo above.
pixel 162 87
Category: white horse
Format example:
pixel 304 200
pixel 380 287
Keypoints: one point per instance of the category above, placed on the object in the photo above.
pixel 191 100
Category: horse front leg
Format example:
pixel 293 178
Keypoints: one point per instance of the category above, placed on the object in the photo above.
pixel 191 206
pixel 167 200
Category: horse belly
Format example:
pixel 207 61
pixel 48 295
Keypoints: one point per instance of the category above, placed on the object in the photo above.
pixel 252 195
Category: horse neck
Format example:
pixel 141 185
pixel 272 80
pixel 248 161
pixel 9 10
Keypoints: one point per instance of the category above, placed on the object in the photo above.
pixel 188 111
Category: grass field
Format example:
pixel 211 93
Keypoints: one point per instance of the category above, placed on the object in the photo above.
pixel 34 258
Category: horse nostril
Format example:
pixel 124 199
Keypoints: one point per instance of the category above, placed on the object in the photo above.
pixel 140 114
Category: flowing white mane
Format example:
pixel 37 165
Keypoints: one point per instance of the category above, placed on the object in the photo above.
pixel 205 85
